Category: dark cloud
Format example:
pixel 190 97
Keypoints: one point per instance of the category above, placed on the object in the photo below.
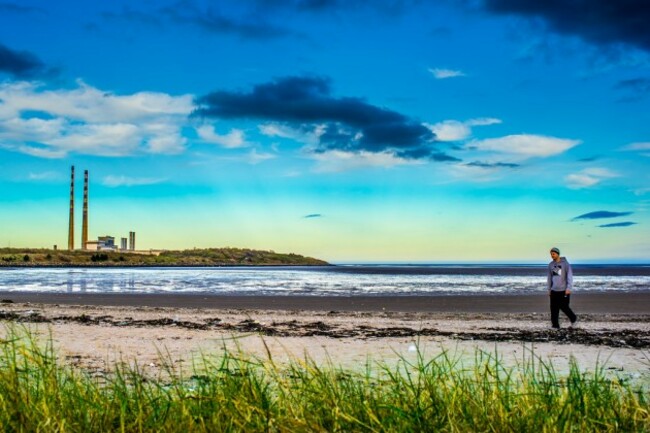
pixel 601 214
pixel 390 7
pixel 256 19
pixel 425 153
pixel 134 16
pixel 589 159
pixel 313 215
pixel 21 64
pixel 253 26
pixel 635 86
pixel 306 5
pixel 250 26
pixel 492 164
pixel 349 124
pixel 18 9
pixel 621 224
pixel 602 22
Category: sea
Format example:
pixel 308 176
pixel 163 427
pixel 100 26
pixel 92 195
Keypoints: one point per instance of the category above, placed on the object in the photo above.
pixel 341 280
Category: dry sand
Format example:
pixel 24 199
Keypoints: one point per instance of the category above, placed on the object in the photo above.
pixel 95 333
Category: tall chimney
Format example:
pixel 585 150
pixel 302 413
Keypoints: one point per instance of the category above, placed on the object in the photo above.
pixel 84 227
pixel 71 220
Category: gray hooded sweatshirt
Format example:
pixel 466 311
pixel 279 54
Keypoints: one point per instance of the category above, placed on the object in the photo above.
pixel 560 276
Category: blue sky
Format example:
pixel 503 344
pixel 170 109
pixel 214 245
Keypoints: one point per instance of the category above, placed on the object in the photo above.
pixel 383 131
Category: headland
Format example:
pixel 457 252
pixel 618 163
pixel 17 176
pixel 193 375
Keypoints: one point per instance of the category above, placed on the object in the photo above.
pixel 34 257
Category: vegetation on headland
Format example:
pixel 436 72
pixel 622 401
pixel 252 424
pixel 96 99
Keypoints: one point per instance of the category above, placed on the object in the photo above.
pixel 237 393
pixel 194 257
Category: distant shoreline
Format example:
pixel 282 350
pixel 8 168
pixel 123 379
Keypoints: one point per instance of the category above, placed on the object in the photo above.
pixel 153 265
pixel 36 258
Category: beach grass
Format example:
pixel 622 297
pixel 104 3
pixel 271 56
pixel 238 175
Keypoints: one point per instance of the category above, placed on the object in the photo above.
pixel 234 392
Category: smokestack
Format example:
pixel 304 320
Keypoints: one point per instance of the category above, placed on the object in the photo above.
pixel 71 220
pixel 84 226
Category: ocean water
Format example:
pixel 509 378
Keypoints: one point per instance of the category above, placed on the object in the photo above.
pixel 349 280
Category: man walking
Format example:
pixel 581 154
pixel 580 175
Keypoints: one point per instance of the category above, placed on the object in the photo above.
pixel 560 283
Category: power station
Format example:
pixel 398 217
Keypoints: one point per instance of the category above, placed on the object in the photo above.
pixel 103 243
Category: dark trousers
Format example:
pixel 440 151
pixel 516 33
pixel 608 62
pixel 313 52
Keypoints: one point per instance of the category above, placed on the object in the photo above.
pixel 560 301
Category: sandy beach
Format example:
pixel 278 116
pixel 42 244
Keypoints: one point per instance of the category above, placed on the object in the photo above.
pixel 93 331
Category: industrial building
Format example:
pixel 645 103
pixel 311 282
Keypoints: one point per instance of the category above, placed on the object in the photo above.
pixel 103 243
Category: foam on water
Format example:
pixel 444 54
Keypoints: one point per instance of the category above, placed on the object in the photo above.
pixel 330 281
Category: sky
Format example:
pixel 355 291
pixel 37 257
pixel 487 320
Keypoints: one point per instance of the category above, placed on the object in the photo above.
pixel 366 131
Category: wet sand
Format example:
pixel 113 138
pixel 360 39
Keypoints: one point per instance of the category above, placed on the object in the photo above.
pixel 601 303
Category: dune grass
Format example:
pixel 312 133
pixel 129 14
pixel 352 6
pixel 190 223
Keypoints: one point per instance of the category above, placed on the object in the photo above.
pixel 234 393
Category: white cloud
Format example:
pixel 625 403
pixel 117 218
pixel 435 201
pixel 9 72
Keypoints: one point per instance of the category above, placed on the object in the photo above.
pixel 39 152
pixel 579 181
pixel 525 145
pixel 116 139
pixel 637 146
pixel 589 177
pixel 275 130
pixel 483 121
pixel 441 74
pixel 90 104
pixel 338 160
pixel 116 181
pixel 34 129
pixel 44 176
pixel 87 120
pixel 168 144
pixel 234 138
pixel 255 158
pixel 252 157
pixel 450 130
pixel 474 173
pixel 603 173
pixel 310 137
pixel 453 130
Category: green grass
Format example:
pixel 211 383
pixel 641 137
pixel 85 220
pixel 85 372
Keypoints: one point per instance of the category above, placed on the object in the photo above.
pixel 237 393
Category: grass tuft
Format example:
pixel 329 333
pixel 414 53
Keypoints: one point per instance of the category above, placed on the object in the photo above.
pixel 235 392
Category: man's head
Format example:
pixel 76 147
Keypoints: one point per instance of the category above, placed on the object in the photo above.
pixel 555 253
